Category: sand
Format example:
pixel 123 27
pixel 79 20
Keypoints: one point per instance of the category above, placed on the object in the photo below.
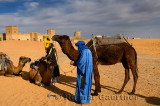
pixel 18 91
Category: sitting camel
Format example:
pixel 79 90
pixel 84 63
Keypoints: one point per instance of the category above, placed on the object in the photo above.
pixel 41 72
pixel 12 70
pixel 105 55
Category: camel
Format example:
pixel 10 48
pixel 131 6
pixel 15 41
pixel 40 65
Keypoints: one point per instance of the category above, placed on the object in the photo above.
pixel 42 75
pixel 12 70
pixel 105 55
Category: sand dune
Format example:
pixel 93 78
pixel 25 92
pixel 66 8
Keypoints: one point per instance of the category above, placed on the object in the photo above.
pixel 18 91
pixel 147 46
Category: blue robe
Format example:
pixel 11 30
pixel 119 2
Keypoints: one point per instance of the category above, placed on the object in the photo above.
pixel 84 67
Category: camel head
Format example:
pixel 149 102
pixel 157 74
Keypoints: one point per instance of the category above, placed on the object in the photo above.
pixel 60 38
pixel 23 60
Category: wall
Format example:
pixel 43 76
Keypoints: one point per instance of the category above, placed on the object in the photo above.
pixel 31 36
pixel 50 32
pixel 77 36
pixel 1 36
pixel 23 36
pixel 40 37
pixel 12 34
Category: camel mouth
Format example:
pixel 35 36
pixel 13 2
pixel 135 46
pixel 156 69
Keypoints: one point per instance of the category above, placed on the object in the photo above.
pixel 29 60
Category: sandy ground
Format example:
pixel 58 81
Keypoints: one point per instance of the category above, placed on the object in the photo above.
pixel 18 91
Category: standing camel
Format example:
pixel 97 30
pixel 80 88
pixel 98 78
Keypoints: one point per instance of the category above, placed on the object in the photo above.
pixel 42 75
pixel 12 70
pixel 105 55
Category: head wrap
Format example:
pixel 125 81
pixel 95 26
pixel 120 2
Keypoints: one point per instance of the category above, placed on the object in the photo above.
pixel 46 43
pixel 81 45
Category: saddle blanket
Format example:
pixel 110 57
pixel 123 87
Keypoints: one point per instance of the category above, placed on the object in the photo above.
pixel 104 40
pixel 4 61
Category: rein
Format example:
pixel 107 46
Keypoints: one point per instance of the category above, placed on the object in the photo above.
pixel 24 60
pixel 93 44
pixel 67 71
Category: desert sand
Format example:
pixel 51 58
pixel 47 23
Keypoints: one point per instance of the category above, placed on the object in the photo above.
pixel 18 91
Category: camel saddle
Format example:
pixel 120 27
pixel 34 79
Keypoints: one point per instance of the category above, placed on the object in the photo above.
pixel 4 61
pixel 105 40
pixel 35 65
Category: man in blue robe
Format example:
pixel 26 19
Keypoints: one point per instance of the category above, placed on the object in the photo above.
pixel 84 73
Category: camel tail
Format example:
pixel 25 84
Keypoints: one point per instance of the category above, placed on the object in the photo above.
pixel 135 59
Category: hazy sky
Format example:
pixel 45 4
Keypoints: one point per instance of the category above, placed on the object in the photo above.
pixel 133 18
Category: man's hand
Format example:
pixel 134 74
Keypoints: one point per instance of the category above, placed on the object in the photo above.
pixel 43 58
pixel 72 63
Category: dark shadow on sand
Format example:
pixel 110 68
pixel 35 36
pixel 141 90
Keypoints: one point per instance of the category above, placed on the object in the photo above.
pixel 68 81
pixel 25 75
pixel 151 100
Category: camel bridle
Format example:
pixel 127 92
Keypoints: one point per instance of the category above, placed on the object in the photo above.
pixel 24 61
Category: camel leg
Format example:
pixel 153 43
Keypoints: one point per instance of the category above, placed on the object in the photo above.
pixel 97 80
pixel 2 72
pixel 39 83
pixel 135 77
pixel 127 78
pixel 38 79
pixel 8 75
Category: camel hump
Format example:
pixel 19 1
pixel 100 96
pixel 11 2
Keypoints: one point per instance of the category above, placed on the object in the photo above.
pixel 104 40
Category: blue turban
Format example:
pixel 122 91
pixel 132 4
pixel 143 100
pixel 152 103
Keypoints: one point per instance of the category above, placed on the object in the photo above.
pixel 81 45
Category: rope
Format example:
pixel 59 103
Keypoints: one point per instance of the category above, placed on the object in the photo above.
pixel 127 41
pixel 94 49
pixel 67 71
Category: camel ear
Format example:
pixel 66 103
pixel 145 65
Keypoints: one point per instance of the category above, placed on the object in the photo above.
pixel 65 37
pixel 20 58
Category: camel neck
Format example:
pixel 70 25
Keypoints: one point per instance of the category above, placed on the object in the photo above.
pixel 69 50
pixel 20 67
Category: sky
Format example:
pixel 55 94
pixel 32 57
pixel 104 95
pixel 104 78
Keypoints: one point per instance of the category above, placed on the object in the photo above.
pixel 132 18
